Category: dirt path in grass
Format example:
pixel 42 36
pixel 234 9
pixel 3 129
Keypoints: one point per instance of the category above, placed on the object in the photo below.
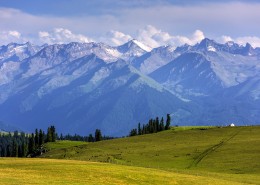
pixel 210 150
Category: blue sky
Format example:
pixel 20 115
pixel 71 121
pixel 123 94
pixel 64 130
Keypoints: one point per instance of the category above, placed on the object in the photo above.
pixel 154 22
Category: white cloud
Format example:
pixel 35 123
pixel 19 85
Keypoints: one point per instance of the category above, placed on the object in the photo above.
pixel 197 36
pixel 154 37
pixel 15 34
pixel 224 39
pixel 115 38
pixel 254 41
pixel 175 21
pixel 213 18
pixel 10 36
pixel 61 35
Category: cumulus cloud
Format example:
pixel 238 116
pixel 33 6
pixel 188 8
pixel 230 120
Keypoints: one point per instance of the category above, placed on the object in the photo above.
pixel 224 39
pixel 11 36
pixel 154 37
pixel 115 38
pixel 254 41
pixel 61 35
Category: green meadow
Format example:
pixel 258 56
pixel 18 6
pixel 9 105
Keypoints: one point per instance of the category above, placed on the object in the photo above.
pixel 182 155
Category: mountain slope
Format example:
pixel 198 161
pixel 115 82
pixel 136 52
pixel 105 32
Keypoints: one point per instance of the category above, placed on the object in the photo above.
pixel 221 78
pixel 83 86
pixel 85 94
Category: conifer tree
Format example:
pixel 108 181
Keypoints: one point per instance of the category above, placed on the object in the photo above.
pixel 41 137
pixel 90 138
pixel 53 134
pixel 162 124
pixel 24 149
pixel 133 132
pixel 36 138
pixel 31 145
pixel 157 124
pixel 168 122
pixel 98 136
pixel 139 129
pixel 49 135
pixel 15 148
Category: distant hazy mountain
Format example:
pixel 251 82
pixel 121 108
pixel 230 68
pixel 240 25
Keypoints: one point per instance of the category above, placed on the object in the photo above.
pixel 83 86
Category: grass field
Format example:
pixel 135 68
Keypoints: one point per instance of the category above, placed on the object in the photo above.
pixel 183 155
pixel 52 171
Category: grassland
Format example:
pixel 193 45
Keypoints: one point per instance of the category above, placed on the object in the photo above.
pixel 52 171
pixel 183 155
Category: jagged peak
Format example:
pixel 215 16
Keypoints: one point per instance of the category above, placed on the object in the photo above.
pixel 134 43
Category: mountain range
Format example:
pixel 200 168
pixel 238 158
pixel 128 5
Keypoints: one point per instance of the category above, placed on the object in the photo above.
pixel 79 87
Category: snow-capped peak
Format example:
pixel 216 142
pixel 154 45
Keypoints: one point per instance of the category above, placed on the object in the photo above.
pixel 142 46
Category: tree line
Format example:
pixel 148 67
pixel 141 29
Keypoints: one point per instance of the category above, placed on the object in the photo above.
pixel 90 138
pixel 153 126
pixel 23 145
pixel 31 145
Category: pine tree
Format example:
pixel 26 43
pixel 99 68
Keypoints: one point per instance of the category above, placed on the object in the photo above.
pixel 36 138
pixel 49 135
pixel 15 148
pixel 168 122
pixel 8 151
pixel 143 130
pixel 41 137
pixel 61 137
pixel 133 132
pixel 162 127
pixel 157 124
pixel 98 136
pixel 31 145
pixel 90 138
pixel 53 134
pixel 139 129
pixel 24 149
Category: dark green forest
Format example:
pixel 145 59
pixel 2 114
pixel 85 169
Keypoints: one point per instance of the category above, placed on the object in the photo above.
pixel 153 126
pixel 20 144
pixel 25 145
pixel 31 145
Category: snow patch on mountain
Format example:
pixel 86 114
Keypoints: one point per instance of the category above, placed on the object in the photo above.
pixel 141 45
pixel 234 69
pixel 8 70
pixel 101 74
pixel 211 48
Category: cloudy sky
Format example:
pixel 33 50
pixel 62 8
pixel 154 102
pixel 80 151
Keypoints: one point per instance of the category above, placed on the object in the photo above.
pixel 153 22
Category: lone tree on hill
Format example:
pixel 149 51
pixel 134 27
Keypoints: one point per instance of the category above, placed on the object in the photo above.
pixel 168 122
pixel 98 136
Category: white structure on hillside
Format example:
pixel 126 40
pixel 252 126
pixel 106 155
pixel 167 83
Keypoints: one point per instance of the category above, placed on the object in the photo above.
pixel 232 125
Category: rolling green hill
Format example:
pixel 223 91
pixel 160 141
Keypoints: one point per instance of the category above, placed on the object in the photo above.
pixel 62 172
pixel 227 151
pixel 182 155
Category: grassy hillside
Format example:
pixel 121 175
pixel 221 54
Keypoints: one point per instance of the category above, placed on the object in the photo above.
pixel 231 152
pixel 51 171
pixel 183 155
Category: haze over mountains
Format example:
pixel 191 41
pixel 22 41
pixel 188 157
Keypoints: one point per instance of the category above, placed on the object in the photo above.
pixel 83 86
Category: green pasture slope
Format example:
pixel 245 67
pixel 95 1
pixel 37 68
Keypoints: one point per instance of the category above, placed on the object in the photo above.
pixel 182 155
pixel 68 172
